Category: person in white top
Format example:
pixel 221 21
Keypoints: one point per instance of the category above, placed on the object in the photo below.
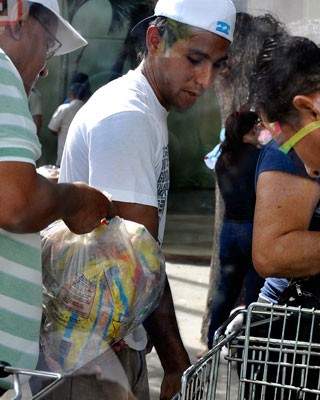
pixel 118 142
pixel 63 116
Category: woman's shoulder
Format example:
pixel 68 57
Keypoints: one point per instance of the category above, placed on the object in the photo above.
pixel 272 158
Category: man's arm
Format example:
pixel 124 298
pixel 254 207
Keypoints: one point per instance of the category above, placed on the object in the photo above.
pixel 30 202
pixel 161 325
pixel 282 244
pixel 163 330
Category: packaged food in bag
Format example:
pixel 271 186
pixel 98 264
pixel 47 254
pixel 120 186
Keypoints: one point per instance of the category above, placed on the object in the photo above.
pixel 97 288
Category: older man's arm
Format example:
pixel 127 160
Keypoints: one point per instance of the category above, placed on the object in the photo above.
pixel 30 202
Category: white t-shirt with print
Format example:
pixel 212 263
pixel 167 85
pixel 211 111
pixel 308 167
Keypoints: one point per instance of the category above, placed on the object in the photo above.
pixel 118 143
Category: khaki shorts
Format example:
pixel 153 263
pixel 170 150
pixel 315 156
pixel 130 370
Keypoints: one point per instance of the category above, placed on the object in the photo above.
pixel 109 377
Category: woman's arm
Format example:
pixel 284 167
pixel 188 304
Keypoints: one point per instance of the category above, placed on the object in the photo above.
pixel 282 244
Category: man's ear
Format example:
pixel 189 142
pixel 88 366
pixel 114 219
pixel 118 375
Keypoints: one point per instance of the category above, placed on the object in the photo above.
pixel 309 104
pixel 153 40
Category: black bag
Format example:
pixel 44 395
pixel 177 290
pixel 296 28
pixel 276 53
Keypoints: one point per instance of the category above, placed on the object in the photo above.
pixel 302 292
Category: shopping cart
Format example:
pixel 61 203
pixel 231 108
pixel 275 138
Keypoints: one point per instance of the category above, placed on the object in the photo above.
pixel 275 355
pixel 6 370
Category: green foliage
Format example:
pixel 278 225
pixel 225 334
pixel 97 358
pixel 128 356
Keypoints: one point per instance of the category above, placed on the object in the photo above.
pixel 122 10
pixel 129 10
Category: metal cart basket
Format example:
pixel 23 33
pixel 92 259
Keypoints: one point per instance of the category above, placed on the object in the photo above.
pixel 6 370
pixel 275 355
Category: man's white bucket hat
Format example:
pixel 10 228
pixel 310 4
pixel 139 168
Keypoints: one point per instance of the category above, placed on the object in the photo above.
pixel 71 40
pixel 216 16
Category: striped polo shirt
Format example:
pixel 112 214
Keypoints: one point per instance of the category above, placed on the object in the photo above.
pixel 20 254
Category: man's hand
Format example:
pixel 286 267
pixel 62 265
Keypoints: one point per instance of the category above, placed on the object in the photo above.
pixel 92 207
pixel 171 383
pixel 119 346
pixel 31 202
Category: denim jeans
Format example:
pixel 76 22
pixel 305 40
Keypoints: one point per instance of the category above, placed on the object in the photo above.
pixel 235 266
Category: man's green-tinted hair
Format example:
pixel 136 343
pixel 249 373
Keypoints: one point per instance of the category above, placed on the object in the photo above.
pixel 170 30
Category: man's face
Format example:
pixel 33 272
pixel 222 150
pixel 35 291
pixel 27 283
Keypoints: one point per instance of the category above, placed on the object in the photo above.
pixel 183 72
pixel 38 38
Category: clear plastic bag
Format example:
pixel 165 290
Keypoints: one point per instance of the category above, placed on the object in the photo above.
pixel 97 288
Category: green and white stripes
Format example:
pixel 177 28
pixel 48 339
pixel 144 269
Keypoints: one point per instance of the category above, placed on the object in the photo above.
pixel 20 299
pixel 18 138
pixel 20 255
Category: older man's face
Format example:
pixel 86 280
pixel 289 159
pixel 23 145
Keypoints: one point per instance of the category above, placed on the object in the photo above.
pixel 39 37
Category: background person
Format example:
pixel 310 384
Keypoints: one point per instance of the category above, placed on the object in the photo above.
pixel 232 84
pixel 126 121
pixel 235 171
pixel 63 116
pixel 30 202
pixel 35 106
pixel 81 77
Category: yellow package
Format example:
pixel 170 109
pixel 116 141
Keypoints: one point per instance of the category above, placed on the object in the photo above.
pixel 97 288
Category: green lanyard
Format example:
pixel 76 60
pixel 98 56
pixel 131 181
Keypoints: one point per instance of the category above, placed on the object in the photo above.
pixel 287 146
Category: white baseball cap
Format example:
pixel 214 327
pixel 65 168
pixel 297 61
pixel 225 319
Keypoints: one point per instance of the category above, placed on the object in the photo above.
pixel 216 16
pixel 71 40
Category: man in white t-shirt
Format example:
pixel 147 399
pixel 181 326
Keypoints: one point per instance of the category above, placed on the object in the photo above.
pixel 118 142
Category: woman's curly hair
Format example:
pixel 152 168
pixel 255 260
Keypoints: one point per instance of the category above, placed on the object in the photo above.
pixel 286 66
